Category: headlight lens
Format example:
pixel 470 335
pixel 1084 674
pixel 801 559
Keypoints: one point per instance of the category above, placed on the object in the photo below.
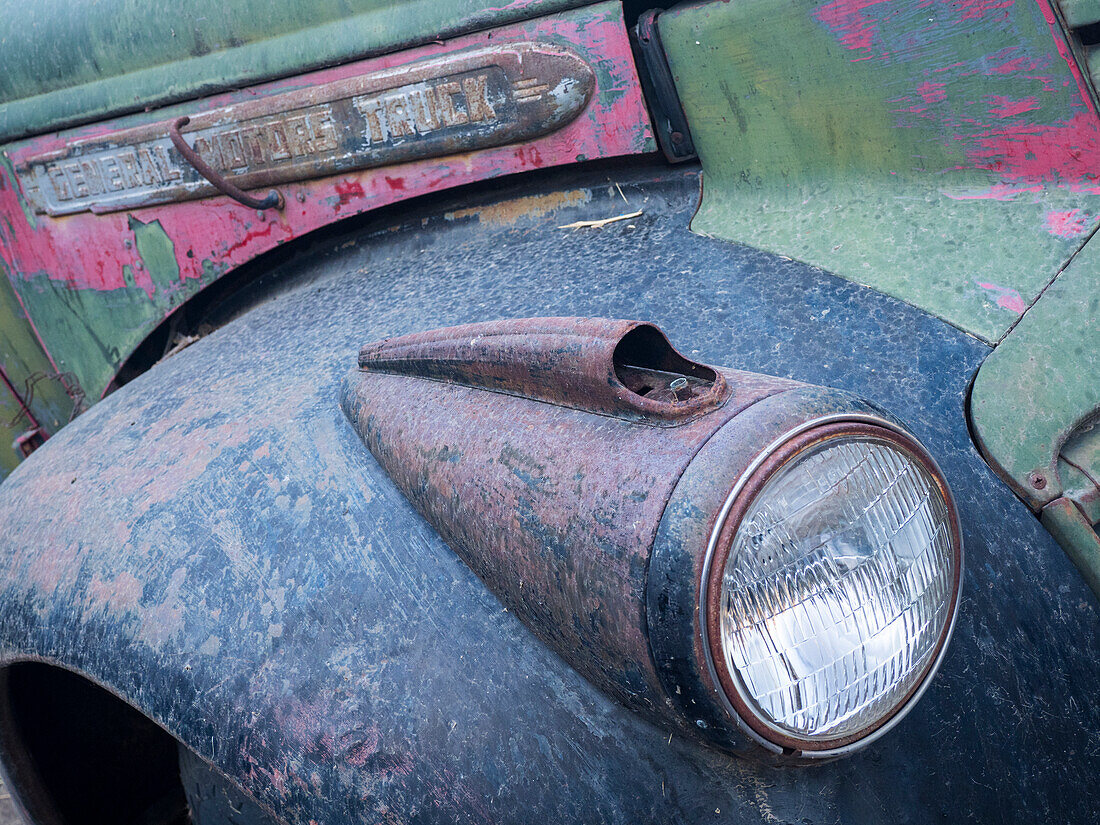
pixel 838 588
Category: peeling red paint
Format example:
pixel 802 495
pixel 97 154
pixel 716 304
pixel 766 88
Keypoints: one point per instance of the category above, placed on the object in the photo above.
pixel 1001 106
pixel 1007 298
pixel 1064 153
pixel 348 189
pixel 932 92
pixel 87 251
pixel 845 17
pixel 1071 223
pixel 977 9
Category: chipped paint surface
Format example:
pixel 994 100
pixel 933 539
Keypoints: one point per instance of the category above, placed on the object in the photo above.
pixel 343 664
pixel 1043 382
pixel 534 206
pixel 923 148
pixel 556 477
pixel 96 285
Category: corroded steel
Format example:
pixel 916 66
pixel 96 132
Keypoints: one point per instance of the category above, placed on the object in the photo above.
pixel 551 477
pixel 550 486
pixel 457 102
pixel 622 368
pixel 351 668
pixel 273 200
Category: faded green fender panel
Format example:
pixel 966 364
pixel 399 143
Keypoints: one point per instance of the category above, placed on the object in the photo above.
pixel 32 373
pixel 66 64
pixel 945 153
pixel 1042 383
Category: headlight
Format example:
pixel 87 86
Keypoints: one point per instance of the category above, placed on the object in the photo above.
pixel 770 566
pixel 833 585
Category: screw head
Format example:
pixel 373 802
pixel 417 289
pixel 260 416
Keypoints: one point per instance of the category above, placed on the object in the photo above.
pixel 1037 480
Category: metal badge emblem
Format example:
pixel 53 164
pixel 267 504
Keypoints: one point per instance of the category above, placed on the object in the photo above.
pixel 468 100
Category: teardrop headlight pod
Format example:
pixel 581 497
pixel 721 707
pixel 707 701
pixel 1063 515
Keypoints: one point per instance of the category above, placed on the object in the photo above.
pixel 831 584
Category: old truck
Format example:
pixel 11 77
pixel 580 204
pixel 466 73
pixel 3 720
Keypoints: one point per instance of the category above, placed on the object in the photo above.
pixel 580 412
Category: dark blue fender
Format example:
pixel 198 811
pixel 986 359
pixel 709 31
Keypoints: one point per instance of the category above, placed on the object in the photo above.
pixel 214 544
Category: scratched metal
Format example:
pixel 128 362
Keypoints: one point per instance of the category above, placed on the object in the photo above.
pixel 554 505
pixel 214 543
pixel 460 102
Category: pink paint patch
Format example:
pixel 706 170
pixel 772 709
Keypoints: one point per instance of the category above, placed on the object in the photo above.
pixel 87 251
pixel 1066 153
pixel 977 9
pixel 1072 223
pixel 845 18
pixel 932 92
pixel 1000 106
pixel 1007 298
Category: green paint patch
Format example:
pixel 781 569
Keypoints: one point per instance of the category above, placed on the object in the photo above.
pixel 157 253
pixel 9 173
pixel 1041 383
pixel 23 361
pixel 861 150
pixel 90 331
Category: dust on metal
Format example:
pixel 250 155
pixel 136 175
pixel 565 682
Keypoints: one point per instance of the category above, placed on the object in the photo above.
pixel 544 451
pixel 468 100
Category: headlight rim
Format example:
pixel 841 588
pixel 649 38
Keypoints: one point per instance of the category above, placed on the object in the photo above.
pixel 743 493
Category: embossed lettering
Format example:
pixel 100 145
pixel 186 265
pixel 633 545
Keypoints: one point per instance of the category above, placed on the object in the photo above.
pixel 112 174
pixel 129 169
pixel 76 180
pixel 60 185
pixel 359 122
pixel 397 117
pixel 477 99
pixel 448 113
pixel 92 176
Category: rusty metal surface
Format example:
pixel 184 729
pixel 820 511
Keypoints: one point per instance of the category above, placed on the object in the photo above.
pixel 273 200
pixel 602 365
pixel 459 102
pixel 124 273
pixel 554 505
pixel 220 549
pixel 520 445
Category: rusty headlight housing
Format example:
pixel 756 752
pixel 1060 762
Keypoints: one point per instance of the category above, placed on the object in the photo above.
pixel 832 584
pixel 795 553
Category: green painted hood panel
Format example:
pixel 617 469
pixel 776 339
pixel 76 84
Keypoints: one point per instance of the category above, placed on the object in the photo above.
pixel 66 64
pixel 942 152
